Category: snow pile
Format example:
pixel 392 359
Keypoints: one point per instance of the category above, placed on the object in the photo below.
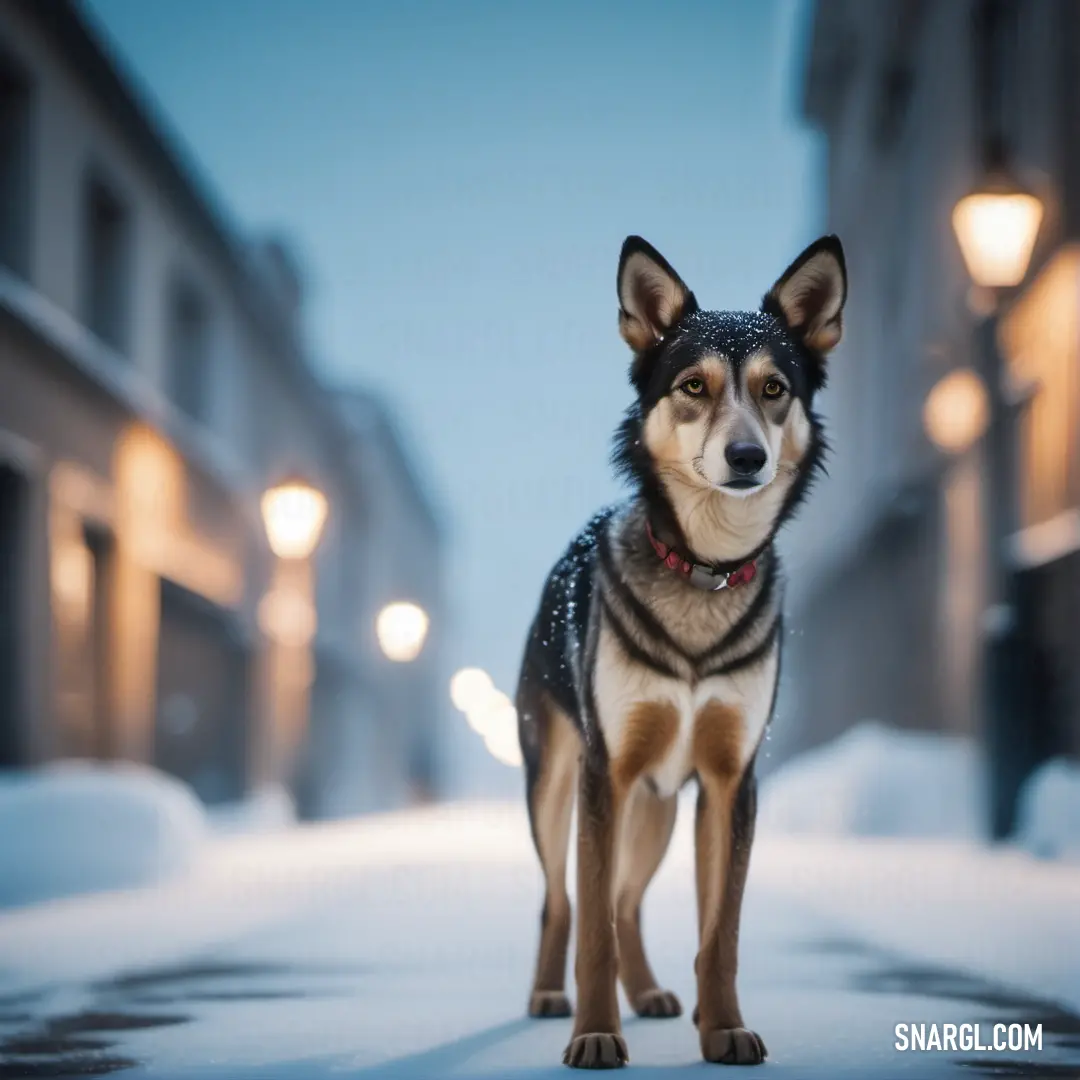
pixel 78 827
pixel 878 781
pixel 1048 819
pixel 267 810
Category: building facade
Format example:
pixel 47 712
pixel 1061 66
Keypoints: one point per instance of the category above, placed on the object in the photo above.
pixel 888 561
pixel 153 383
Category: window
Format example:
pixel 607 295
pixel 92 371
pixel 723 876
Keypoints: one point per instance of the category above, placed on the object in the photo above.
pixel 893 104
pixel 106 284
pixel 14 168
pixel 188 350
pixel 895 87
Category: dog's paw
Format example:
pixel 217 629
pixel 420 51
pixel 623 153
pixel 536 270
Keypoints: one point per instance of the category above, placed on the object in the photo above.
pixel 657 1004
pixel 600 1050
pixel 549 1003
pixel 733 1046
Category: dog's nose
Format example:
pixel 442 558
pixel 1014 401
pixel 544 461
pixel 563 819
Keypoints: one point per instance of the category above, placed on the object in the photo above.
pixel 745 458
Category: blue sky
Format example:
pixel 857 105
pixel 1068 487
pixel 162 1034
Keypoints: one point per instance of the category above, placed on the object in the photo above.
pixel 459 176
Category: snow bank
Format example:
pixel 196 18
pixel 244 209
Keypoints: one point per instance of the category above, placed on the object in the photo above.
pixel 78 827
pixel 245 883
pixel 1048 819
pixel 267 810
pixel 878 781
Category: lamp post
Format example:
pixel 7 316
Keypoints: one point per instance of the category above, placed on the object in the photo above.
pixel 996 226
pixel 294 514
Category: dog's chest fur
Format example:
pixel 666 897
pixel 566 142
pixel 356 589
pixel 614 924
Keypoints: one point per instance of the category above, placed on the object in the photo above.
pixel 666 654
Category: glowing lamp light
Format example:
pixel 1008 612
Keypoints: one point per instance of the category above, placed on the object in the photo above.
pixel 469 688
pixel 489 712
pixel 288 616
pixel 502 743
pixel 73 574
pixel 494 711
pixel 294 513
pixel 996 229
pixel 956 411
pixel 402 628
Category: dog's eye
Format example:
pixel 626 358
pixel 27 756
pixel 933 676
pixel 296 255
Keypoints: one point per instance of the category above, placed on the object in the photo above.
pixel 774 388
pixel 693 386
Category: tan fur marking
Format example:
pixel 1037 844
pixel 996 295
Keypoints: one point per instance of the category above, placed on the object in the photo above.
pixel 825 338
pixel 635 333
pixel 649 731
pixel 759 370
pixel 596 965
pixel 714 373
pixel 718 736
pixel 660 433
pixel 718 741
pixel 796 438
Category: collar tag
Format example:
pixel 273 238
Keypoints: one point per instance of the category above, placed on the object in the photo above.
pixel 698 574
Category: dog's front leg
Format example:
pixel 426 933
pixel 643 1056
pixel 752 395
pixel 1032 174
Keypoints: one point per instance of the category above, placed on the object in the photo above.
pixel 724 835
pixel 597 1042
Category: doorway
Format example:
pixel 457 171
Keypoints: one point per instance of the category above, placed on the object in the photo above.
pixel 13 497
pixel 99 543
pixel 201 727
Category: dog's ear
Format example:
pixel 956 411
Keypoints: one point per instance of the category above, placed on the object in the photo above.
pixel 809 296
pixel 652 297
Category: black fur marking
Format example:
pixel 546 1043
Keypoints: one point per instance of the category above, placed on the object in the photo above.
pixel 533 726
pixel 747 659
pixel 629 646
pixel 557 639
pixel 735 335
pixel 813 465
pixel 651 625
pixel 631 461
pixel 744 811
pixel 596 751
pixel 748 620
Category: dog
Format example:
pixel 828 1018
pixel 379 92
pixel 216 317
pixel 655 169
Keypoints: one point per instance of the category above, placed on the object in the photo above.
pixel 655 654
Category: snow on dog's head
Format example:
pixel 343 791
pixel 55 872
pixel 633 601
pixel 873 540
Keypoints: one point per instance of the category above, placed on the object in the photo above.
pixel 723 428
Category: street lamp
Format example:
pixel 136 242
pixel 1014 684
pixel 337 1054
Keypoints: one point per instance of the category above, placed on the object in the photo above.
pixel 956 411
pixel 489 712
pixel 469 688
pixel 996 227
pixel 402 629
pixel 294 513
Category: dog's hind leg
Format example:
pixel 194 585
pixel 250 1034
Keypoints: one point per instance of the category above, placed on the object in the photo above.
pixel 647 827
pixel 551 771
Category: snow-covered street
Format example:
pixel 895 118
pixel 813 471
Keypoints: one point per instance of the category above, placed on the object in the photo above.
pixel 402 945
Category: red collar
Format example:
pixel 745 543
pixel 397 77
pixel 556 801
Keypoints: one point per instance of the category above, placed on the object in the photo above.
pixel 704 577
